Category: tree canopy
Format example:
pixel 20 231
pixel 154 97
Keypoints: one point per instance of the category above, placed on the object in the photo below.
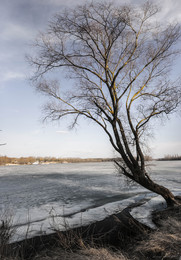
pixel 120 58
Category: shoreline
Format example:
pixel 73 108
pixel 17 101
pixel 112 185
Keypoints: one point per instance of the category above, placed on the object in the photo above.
pixel 79 160
pixel 103 232
pixel 120 232
pixel 56 161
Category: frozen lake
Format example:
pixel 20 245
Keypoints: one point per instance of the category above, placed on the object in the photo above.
pixel 80 192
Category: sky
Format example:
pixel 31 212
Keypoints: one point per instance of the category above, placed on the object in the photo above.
pixel 21 107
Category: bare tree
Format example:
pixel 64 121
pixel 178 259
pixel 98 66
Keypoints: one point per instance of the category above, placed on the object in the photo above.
pixel 120 59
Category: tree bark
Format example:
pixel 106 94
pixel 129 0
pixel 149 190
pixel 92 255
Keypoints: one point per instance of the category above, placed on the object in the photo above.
pixel 159 189
pixel 143 179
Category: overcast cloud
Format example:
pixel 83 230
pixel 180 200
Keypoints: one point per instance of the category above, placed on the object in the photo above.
pixel 20 23
pixel 21 20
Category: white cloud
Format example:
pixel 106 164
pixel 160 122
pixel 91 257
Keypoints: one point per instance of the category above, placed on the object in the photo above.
pixel 36 132
pixel 10 75
pixel 16 32
pixel 170 10
pixel 62 132
pixel 64 3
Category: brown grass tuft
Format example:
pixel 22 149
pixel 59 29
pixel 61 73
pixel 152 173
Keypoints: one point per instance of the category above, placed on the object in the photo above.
pixel 164 243
pixel 6 232
pixel 103 254
pixel 86 254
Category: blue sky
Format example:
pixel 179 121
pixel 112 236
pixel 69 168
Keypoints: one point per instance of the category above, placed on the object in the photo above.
pixel 20 105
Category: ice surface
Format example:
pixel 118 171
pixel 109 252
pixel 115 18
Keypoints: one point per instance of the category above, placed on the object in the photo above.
pixel 76 193
pixel 56 219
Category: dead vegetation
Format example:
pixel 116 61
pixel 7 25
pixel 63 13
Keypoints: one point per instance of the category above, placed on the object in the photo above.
pixel 6 231
pixel 86 254
pixel 164 243
pixel 80 244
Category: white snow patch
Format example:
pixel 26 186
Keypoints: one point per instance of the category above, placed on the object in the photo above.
pixel 143 213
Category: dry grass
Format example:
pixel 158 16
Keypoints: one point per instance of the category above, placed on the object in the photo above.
pixel 103 254
pixel 6 231
pixel 86 254
pixel 71 240
pixel 164 243
pixel 67 239
pixel 76 244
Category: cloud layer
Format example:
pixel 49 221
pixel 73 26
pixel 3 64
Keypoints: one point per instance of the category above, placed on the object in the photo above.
pixel 20 23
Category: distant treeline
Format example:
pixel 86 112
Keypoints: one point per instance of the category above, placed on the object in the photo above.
pixel 168 157
pixel 4 160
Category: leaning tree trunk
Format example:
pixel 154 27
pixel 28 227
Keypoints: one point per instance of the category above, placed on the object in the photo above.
pixel 146 182
pixel 142 178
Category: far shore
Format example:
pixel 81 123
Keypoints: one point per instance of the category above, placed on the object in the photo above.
pixel 9 161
